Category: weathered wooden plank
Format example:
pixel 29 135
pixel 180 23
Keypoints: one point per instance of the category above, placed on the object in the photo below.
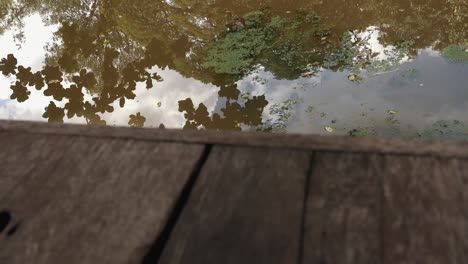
pixel 246 207
pixel 425 210
pixel 342 218
pixel 104 201
pixel 290 141
pixel 34 154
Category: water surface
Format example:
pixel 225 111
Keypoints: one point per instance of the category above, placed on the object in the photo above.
pixel 386 68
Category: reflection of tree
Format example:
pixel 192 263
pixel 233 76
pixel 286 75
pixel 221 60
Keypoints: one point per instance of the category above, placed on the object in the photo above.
pixel 117 86
pixel 20 92
pixel 182 27
pixel 121 88
pixel 137 120
pixel 283 45
pixel 105 47
pixel 457 53
pixel 53 113
pixel 234 114
pixel 8 65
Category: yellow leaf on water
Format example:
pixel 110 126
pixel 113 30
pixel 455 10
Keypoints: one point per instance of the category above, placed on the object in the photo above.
pixel 329 129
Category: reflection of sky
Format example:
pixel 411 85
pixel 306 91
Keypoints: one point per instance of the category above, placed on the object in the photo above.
pixel 30 53
pixel 422 90
pixel 174 88
pixel 168 93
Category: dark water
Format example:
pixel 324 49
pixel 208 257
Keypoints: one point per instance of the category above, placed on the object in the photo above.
pixel 387 68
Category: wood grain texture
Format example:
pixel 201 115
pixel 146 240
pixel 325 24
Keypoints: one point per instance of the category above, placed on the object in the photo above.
pixel 103 201
pixel 425 210
pixel 290 141
pixel 246 207
pixel 342 217
pixel 81 194
pixel 23 154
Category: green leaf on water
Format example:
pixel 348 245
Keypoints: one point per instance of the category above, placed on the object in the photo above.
pixel 329 129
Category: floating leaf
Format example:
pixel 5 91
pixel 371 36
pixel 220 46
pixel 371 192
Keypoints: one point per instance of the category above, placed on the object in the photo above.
pixel 392 112
pixel 329 129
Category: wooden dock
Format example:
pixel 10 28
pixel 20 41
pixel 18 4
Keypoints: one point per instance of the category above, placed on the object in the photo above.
pixel 77 194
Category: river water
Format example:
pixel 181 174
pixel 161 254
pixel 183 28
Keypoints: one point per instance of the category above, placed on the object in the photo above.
pixel 375 68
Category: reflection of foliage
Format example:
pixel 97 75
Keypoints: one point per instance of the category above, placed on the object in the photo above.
pixel 234 114
pixel 235 53
pixel 116 86
pixel 283 113
pixel 456 53
pixel 354 53
pixel 20 92
pixel 445 129
pixel 26 77
pixel 8 65
pixel 137 120
pixel 392 60
pixel 344 56
pixel 104 48
pixel 261 38
pixel 53 113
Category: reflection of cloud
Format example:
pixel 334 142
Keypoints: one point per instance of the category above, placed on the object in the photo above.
pixel 31 52
pixel 431 52
pixel 175 87
pixel 422 91
pixel 11 110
